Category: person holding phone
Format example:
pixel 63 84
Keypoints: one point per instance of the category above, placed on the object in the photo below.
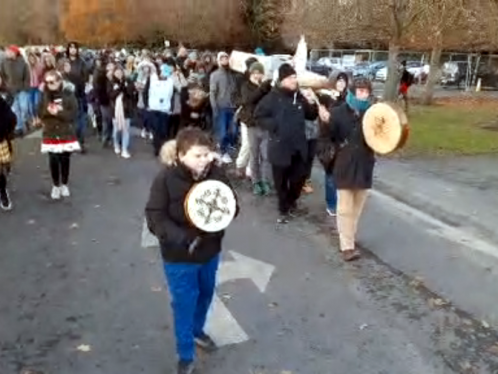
pixel 58 111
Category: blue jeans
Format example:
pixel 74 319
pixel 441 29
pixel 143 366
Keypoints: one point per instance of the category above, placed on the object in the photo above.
pixel 191 287
pixel 34 98
pixel 330 193
pixel 121 137
pixel 20 107
pixel 81 119
pixel 224 130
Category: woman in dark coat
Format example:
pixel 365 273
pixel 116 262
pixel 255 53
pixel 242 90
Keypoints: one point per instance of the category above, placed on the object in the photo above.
pixel 58 109
pixel 122 95
pixel 7 127
pixel 325 148
pixel 354 162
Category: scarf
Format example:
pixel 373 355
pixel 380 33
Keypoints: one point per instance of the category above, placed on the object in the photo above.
pixel 357 105
pixel 119 113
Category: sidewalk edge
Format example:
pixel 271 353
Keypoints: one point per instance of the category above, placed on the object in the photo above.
pixel 433 209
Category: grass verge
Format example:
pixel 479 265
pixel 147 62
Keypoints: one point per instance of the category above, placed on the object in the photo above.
pixel 456 129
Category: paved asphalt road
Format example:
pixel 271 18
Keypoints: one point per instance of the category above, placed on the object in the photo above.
pixel 83 292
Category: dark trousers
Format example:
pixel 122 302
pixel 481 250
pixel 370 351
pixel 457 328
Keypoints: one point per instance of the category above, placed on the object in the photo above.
pixel 143 119
pixel 98 119
pixel 174 126
pixel 191 287
pixel 312 143
pixel 3 182
pixel 289 182
pixel 82 119
pixel 159 122
pixel 107 115
pixel 59 164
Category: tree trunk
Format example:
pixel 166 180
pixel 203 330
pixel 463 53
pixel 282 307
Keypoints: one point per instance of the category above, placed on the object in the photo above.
pixel 434 74
pixel 392 81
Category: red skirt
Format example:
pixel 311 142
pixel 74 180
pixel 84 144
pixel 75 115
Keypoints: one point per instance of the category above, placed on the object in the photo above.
pixel 60 145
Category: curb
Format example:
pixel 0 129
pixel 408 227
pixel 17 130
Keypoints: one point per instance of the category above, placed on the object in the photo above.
pixel 432 209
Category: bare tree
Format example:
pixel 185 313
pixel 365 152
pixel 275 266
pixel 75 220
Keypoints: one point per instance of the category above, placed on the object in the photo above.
pixel 440 18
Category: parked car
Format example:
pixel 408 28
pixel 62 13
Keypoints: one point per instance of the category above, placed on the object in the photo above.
pixel 454 74
pixel 361 69
pixel 375 67
pixel 330 62
pixel 319 69
pixel 417 68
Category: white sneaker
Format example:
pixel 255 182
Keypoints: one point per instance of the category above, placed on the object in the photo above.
pixel 117 150
pixel 56 193
pixel 151 137
pixel 65 191
pixel 143 134
pixel 125 154
pixel 226 159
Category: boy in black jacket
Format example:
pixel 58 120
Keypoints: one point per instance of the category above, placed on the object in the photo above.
pixel 190 256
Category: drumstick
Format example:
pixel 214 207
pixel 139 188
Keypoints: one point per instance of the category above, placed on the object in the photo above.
pixel 194 245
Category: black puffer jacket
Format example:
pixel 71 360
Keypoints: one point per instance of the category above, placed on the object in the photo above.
pixel 166 218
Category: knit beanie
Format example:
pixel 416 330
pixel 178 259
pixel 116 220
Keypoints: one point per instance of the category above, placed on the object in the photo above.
pixel 257 67
pixel 285 71
pixel 250 61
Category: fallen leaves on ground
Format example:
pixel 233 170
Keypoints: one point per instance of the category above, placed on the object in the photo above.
pixel 437 302
pixel 84 348
pixel 493 349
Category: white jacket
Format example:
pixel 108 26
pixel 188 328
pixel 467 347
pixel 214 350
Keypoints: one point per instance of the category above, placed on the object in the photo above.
pixel 161 94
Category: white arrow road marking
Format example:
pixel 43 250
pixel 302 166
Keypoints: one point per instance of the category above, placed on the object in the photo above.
pixel 221 325
pixel 246 268
pixel 148 240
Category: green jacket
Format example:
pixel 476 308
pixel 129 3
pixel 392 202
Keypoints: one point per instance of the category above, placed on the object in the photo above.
pixel 60 126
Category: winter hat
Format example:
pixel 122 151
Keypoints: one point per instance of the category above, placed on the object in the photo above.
pixel 250 61
pixel 220 56
pixel 285 71
pixel 257 67
pixel 14 49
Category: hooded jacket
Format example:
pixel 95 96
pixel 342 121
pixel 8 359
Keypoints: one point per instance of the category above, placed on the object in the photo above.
pixel 165 212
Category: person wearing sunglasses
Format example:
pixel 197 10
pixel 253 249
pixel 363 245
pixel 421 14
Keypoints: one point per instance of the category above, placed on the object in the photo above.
pixel 58 113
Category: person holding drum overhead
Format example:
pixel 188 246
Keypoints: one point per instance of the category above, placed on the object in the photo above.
pixel 353 164
pixel 282 112
pixel 184 198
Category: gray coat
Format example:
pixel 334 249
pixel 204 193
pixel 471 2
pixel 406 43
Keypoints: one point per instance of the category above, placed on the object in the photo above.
pixel 222 89
pixel 15 73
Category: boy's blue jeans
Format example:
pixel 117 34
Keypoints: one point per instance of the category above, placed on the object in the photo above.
pixel 330 193
pixel 191 287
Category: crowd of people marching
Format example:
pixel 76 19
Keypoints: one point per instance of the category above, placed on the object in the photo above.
pixel 272 127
